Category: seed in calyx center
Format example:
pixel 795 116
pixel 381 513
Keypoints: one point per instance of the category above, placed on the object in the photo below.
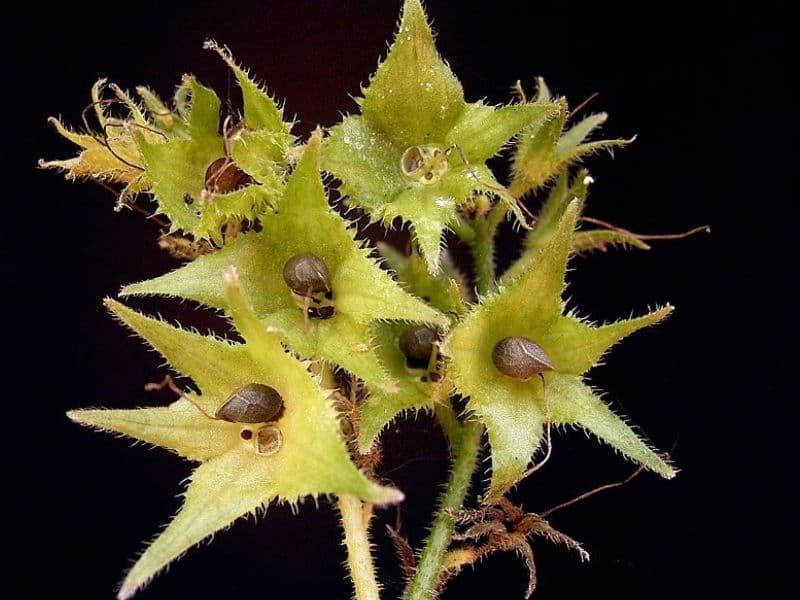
pixel 417 344
pixel 306 274
pixel 520 358
pixel 223 177
pixel 252 403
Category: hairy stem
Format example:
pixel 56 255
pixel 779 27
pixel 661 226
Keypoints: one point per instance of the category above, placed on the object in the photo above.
pixel 355 520
pixel 479 236
pixel 465 456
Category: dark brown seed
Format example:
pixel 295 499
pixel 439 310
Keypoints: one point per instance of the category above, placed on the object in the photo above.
pixel 223 176
pixel 306 273
pixel 417 343
pixel 520 358
pixel 246 434
pixel 253 403
pixel 269 440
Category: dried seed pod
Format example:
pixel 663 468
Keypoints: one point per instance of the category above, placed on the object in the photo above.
pixel 223 176
pixel 306 274
pixel 269 440
pixel 520 358
pixel 417 343
pixel 252 403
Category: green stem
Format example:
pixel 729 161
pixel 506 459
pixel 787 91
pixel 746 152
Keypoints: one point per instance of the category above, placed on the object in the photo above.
pixel 356 538
pixel 429 568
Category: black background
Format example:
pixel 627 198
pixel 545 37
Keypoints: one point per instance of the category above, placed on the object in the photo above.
pixel 705 89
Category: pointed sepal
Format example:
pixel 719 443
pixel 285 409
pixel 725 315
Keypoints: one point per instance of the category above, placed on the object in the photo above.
pixel 109 154
pixel 574 403
pixel 414 96
pixel 412 274
pixel 545 148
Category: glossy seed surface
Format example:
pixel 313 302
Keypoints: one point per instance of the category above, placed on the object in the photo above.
pixel 223 176
pixel 417 343
pixel 306 273
pixel 252 403
pixel 520 358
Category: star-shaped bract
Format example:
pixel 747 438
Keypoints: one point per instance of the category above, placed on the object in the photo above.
pixel 549 216
pixel 111 154
pixel 544 149
pixel 233 480
pixel 413 392
pixel 362 292
pixel 178 168
pixel 415 100
pixel 442 291
pixel 515 411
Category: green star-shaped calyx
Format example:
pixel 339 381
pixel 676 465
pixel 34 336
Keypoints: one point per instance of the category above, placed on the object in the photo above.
pixel 361 292
pixel 235 478
pixel 515 411
pixel 189 172
pixel 418 150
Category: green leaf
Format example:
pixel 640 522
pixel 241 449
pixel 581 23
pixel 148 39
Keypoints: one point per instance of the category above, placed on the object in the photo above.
pixel 163 117
pixel 260 154
pixel 545 149
pixel 216 366
pixel 362 292
pixel 220 491
pixel 414 97
pixel 512 410
pixel 574 403
pixel 204 112
pixel 366 162
pixel 177 168
pixel 579 132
